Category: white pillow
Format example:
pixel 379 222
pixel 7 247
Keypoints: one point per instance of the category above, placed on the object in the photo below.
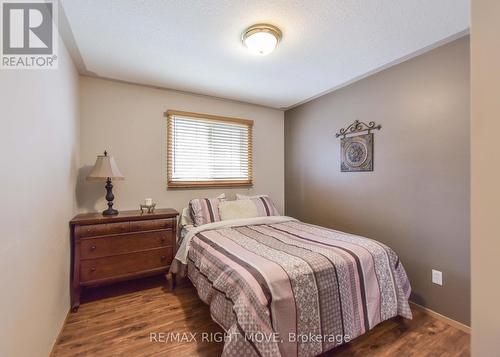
pixel 186 217
pixel 237 209
pixel 239 196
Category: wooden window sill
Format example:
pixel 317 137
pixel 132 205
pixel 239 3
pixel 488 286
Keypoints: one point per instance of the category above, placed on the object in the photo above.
pixel 207 184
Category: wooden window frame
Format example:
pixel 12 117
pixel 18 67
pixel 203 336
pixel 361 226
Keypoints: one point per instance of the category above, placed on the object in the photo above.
pixel 214 183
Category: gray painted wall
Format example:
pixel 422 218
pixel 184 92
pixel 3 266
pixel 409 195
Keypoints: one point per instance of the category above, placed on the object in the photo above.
pixel 417 199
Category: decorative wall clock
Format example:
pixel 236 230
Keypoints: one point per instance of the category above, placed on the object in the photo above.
pixel 356 151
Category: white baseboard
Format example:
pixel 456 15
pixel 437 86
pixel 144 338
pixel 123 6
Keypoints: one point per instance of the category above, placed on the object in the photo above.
pixel 60 332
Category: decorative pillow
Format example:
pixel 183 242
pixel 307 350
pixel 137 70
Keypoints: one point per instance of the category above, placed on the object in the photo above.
pixel 205 210
pixel 239 196
pixel 265 206
pixel 237 209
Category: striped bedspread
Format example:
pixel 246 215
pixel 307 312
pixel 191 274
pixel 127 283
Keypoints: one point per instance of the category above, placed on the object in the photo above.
pixel 280 287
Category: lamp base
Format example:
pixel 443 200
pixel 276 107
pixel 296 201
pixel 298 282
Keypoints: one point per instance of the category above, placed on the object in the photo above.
pixel 109 197
pixel 110 212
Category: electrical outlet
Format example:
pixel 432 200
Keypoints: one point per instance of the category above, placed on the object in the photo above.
pixel 437 277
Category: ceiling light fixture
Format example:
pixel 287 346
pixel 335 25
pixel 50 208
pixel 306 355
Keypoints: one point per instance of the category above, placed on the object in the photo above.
pixel 261 39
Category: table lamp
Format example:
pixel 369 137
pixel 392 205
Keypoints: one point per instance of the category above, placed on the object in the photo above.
pixel 105 168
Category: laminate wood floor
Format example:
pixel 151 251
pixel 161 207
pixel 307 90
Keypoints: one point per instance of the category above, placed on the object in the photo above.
pixel 119 320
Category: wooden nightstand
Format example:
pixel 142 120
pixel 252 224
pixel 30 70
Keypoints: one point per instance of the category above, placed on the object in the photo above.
pixel 107 249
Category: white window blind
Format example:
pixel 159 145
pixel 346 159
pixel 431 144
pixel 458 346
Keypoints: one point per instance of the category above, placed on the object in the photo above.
pixel 207 150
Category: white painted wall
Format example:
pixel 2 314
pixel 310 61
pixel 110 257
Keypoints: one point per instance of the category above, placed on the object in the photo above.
pixel 39 162
pixel 127 120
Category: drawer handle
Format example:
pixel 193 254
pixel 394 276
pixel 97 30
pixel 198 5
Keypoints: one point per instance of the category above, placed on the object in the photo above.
pixel 92 269
pixel 93 247
pixel 163 257
pixel 163 240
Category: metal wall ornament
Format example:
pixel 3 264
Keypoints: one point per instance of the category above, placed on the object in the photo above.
pixel 356 151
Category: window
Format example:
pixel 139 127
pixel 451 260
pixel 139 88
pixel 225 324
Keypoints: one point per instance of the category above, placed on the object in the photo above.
pixel 207 150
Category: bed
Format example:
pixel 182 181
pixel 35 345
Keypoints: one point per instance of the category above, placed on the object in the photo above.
pixel 281 287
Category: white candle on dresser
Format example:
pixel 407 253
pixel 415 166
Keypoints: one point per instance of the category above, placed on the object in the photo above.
pixel 148 201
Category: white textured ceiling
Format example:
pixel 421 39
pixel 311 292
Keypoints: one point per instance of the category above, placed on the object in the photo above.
pixel 194 45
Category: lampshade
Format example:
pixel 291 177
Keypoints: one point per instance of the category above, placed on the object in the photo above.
pixel 104 167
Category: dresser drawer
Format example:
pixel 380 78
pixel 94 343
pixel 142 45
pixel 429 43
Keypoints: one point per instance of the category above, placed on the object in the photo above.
pixel 121 265
pixel 125 243
pixel 152 224
pixel 93 230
